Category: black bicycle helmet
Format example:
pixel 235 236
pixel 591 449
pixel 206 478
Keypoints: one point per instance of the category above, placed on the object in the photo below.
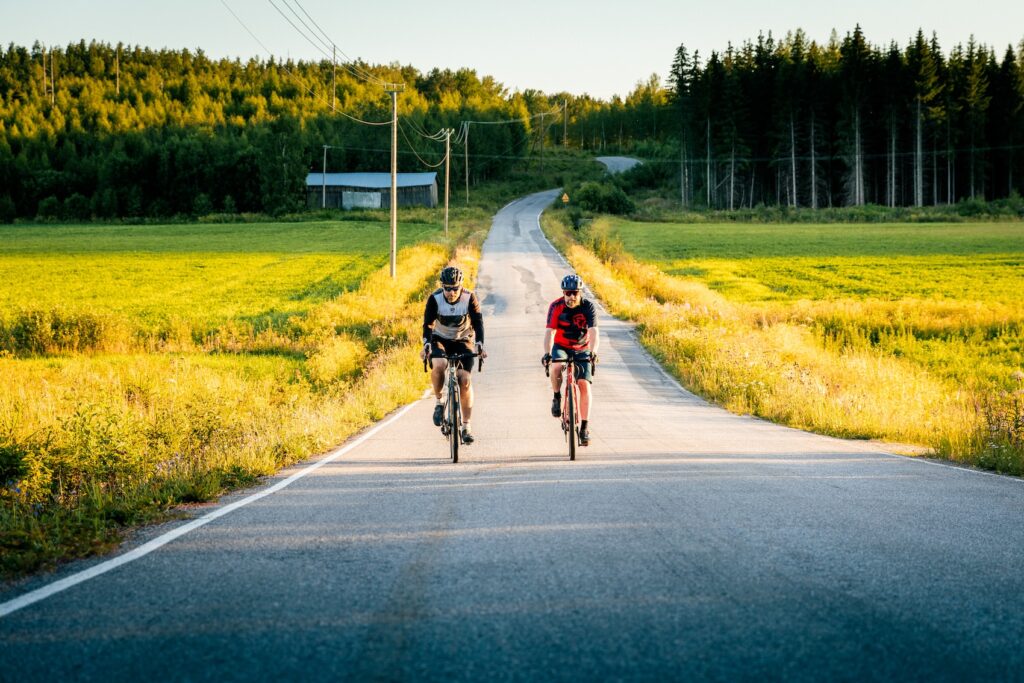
pixel 451 276
pixel 571 283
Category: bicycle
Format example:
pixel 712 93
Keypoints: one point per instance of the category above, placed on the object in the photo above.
pixel 451 422
pixel 571 396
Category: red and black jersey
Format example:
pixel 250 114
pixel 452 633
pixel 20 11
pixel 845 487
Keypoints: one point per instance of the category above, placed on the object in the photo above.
pixel 571 325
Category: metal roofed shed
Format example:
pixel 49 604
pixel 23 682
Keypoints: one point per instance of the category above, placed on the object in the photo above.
pixel 369 190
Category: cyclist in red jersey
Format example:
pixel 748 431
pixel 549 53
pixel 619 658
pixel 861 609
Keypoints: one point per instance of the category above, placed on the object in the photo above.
pixel 572 329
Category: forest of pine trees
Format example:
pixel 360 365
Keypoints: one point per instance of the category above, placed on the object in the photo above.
pixel 96 130
pixel 795 123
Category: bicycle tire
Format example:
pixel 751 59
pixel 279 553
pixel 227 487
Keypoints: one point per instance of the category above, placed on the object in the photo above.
pixel 571 418
pixel 454 414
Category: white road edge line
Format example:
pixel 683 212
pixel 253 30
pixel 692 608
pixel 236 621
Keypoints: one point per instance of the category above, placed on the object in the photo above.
pixel 145 549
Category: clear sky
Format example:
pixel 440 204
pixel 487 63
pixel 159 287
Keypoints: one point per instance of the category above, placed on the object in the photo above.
pixel 580 46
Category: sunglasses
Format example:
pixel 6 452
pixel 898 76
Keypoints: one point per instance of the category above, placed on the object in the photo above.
pixel 571 292
pixel 452 289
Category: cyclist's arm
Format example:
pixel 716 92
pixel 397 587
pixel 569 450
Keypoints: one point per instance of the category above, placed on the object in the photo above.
pixel 551 326
pixel 476 319
pixel 594 340
pixel 593 336
pixel 429 316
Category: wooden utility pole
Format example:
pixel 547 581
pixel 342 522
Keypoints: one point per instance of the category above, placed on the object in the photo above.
pixel 53 83
pixel 792 156
pixel 565 124
pixel 334 77
pixel 447 166
pixel 323 201
pixel 466 158
pixel 393 89
pixel 814 172
pixel 117 69
pixel 707 173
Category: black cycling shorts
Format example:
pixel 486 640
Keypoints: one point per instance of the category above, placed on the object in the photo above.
pixel 439 346
pixel 583 370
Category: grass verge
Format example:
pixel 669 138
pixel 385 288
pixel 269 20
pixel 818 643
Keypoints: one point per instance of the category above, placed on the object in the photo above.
pixel 845 368
pixel 93 444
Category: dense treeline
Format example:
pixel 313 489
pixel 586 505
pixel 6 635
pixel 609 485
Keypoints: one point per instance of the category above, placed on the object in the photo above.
pixel 796 123
pixel 112 131
pixel 95 130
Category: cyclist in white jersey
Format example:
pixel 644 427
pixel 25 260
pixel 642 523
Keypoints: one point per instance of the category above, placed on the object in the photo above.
pixel 453 323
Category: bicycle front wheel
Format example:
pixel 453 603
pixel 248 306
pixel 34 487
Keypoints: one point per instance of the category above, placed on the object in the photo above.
pixel 454 415
pixel 571 417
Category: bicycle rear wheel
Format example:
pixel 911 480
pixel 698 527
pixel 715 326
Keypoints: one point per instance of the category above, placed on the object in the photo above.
pixel 454 413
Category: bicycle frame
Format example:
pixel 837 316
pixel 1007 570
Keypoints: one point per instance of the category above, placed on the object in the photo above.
pixel 570 400
pixel 451 422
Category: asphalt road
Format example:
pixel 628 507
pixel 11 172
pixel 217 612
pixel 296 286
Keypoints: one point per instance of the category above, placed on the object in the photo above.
pixel 618 164
pixel 685 543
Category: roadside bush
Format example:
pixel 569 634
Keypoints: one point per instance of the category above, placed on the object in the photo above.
pixel 603 197
pixel 647 176
pixel 202 205
pixel 77 207
pixel 49 208
pixel 50 332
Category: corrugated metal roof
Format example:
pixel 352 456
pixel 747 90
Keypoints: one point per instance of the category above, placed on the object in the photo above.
pixel 370 181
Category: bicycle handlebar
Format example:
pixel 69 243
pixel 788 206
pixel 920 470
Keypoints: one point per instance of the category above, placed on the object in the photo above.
pixel 591 359
pixel 455 357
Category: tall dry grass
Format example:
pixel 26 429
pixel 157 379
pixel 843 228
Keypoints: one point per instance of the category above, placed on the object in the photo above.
pixel 775 363
pixel 91 444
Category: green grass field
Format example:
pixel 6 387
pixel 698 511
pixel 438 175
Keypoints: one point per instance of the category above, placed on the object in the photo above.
pixel 957 261
pixel 204 275
pixel 146 366
pixel 948 296
pixel 910 333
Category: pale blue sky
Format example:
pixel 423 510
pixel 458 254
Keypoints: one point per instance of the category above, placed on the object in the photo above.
pixel 574 45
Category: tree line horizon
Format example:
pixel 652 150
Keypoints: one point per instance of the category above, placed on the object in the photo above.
pixel 95 130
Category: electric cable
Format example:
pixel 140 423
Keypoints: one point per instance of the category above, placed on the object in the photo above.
pixel 329 57
pixel 367 75
pixel 288 71
pixel 409 142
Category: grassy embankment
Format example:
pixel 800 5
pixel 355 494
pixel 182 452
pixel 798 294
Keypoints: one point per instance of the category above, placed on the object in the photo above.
pixel 905 333
pixel 142 367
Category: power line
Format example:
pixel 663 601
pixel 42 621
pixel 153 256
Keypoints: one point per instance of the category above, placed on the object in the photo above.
pixel 438 136
pixel 296 77
pixel 524 119
pixel 310 40
pixel 428 165
pixel 367 75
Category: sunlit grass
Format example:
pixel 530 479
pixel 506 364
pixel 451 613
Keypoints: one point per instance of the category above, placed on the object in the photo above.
pixel 142 421
pixel 911 333
pixel 196 276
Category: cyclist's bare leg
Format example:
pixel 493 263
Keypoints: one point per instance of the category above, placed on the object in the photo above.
pixel 585 399
pixel 466 395
pixel 437 376
pixel 556 377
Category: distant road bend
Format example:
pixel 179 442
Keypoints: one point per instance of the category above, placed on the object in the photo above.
pixel 618 164
pixel 685 543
